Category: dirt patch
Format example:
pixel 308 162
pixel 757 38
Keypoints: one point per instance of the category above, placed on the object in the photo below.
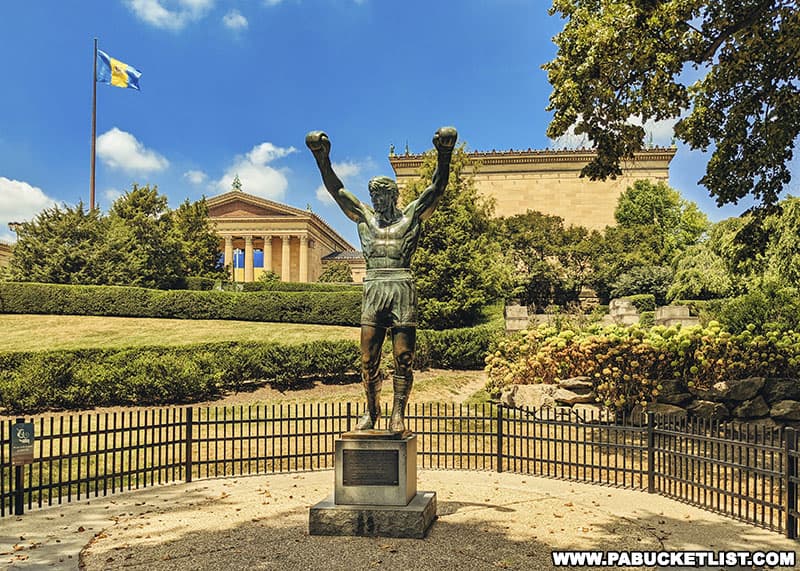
pixel 433 385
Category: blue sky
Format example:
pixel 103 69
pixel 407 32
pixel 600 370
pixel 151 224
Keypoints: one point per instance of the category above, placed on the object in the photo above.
pixel 233 86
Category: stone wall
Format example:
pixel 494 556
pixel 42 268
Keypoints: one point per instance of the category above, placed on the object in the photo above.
pixel 767 402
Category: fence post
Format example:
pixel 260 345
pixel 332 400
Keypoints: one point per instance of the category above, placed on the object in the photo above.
pixel 651 453
pixel 348 416
pixel 188 461
pixel 19 483
pixel 790 472
pixel 499 434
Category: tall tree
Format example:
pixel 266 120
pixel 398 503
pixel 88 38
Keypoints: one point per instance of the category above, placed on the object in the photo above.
pixel 676 223
pixel 458 268
pixel 139 238
pixel 654 225
pixel 199 243
pixel 63 245
pixel 624 60
pixel 551 262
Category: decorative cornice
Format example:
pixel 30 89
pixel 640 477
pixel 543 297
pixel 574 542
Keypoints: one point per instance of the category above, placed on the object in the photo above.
pixel 512 157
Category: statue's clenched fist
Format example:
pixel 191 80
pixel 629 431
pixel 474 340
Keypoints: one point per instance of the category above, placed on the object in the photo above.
pixel 318 142
pixel 445 138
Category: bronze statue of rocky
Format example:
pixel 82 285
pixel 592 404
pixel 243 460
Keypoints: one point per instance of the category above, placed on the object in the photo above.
pixel 764 402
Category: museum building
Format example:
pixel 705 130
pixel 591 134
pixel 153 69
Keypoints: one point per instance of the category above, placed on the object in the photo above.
pixel 262 235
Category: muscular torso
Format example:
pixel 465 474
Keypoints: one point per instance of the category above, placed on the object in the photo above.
pixel 389 245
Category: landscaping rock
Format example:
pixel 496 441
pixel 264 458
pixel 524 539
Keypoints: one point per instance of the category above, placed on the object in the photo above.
pixel 752 408
pixel 781 389
pixel 530 396
pixel 580 385
pixel 638 413
pixel 744 389
pixel 785 410
pixel 593 413
pixel 718 392
pixel 571 397
pixel 709 410
pixel 677 399
pixel 670 386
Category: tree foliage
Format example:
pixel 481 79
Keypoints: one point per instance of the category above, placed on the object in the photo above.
pixel 63 244
pixel 337 272
pixel 458 268
pixel 141 242
pixel 552 263
pixel 625 60
pixel 654 225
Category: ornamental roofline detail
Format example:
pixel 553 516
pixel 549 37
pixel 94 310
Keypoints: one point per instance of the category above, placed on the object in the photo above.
pixel 531 156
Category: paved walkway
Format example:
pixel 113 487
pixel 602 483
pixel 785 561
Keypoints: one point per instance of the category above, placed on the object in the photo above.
pixel 486 521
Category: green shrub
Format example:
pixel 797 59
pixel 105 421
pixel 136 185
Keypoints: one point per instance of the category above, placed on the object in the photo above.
pixel 298 286
pixel 765 308
pixel 200 283
pixel 333 307
pixel 647 318
pixel 464 348
pixel 31 382
pixel 626 364
pixel 642 302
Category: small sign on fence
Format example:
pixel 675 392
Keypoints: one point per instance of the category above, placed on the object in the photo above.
pixel 22 443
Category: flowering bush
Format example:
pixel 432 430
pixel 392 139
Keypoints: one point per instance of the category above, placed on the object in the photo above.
pixel 627 365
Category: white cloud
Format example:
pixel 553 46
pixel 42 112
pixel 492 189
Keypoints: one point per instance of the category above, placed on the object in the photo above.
pixel 256 174
pixel 272 2
pixel 170 14
pixel 19 202
pixel 345 171
pixel 111 194
pixel 234 20
pixel 195 177
pixel 120 150
pixel 659 133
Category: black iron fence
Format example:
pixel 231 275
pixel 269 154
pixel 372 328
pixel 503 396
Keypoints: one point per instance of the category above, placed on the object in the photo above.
pixel 745 472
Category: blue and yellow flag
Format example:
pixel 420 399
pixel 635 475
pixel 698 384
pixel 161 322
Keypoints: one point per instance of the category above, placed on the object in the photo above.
pixel 114 72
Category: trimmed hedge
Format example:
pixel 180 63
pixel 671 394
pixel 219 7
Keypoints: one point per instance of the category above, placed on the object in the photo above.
pixel 298 286
pixel 31 382
pixel 320 307
pixel 464 348
pixel 34 381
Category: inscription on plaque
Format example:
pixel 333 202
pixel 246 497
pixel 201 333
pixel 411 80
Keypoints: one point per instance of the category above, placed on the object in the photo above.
pixel 370 468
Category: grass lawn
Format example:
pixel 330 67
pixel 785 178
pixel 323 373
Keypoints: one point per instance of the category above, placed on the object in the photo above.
pixel 46 332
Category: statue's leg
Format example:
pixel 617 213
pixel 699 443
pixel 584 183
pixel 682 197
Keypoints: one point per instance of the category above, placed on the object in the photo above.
pixel 371 342
pixel 403 342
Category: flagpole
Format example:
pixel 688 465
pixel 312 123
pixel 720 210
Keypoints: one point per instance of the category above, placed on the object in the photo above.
pixel 94 125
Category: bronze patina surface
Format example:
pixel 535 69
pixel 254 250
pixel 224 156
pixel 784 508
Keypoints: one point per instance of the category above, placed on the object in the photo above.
pixel 389 237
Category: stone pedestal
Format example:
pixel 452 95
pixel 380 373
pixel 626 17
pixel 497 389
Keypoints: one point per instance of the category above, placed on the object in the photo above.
pixel 375 489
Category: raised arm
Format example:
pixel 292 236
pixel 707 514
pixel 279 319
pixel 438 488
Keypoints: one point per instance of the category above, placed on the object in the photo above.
pixel 444 140
pixel 320 147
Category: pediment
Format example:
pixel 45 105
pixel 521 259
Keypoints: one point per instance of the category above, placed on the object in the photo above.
pixel 241 205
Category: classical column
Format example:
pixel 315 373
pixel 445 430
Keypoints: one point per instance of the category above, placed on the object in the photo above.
pixel 304 258
pixel 267 253
pixel 248 258
pixel 228 260
pixel 285 260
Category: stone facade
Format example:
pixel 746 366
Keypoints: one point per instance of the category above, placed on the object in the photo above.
pixel 5 254
pixel 292 242
pixel 549 181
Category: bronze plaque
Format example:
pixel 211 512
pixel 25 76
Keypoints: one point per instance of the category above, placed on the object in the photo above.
pixel 370 468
